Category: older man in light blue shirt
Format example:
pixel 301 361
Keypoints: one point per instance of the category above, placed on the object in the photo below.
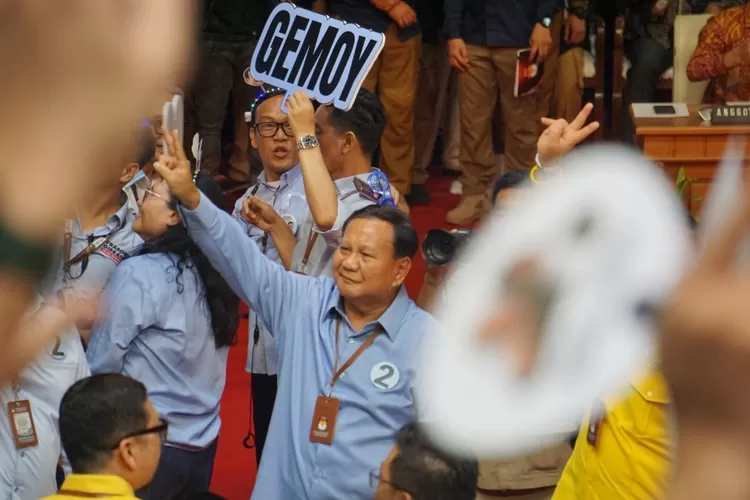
pixel 28 473
pixel 321 324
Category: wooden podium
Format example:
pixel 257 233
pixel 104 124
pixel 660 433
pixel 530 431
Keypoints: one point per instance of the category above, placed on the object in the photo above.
pixel 689 143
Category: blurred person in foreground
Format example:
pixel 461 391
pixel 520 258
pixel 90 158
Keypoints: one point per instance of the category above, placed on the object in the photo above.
pixel 169 319
pixel 722 56
pixel 558 138
pixel 705 352
pixel 112 436
pixel 74 127
pixel 347 346
pixel 417 470
pixel 98 238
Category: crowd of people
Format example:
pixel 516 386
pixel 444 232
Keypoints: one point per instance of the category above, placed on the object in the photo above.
pixel 122 266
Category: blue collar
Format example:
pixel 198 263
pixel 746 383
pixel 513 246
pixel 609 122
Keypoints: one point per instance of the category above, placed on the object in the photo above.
pixel 391 320
pixel 287 177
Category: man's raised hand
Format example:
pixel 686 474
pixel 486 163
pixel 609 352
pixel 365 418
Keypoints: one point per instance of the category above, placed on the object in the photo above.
pixel 560 137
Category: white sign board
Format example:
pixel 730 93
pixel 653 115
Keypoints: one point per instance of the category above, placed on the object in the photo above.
pixel 608 246
pixel 173 118
pixel 326 57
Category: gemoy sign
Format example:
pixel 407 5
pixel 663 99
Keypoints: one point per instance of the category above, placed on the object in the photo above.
pixel 326 57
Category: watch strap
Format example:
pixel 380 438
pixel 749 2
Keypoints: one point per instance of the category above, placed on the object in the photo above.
pixel 20 255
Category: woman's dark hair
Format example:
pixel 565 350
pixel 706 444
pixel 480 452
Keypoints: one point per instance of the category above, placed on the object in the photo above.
pixel 222 302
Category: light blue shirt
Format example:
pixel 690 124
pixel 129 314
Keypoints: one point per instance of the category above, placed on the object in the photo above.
pixel 121 243
pixel 375 392
pixel 29 473
pixel 289 200
pixel 161 336
pixel 325 243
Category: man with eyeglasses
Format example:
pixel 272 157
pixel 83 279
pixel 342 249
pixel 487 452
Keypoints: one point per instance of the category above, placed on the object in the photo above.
pixel 112 436
pixel 417 470
pixel 281 187
pixel 30 452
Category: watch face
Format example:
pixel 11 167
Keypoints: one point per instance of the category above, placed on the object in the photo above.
pixel 307 142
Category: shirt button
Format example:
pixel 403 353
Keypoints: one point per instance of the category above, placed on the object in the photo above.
pixel 351 341
pixel 650 393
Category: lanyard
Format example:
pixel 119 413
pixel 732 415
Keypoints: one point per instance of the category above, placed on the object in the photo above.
pixel 337 372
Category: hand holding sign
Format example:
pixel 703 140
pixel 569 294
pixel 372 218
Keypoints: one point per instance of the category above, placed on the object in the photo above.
pixel 301 115
pixel 303 50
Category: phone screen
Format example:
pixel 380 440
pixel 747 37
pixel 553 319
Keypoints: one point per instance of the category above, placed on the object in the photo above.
pixel 664 109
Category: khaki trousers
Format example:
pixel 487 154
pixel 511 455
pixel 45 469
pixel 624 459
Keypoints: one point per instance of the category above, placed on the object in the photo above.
pixel 394 77
pixel 430 107
pixel 551 64
pixel 492 71
pixel 567 97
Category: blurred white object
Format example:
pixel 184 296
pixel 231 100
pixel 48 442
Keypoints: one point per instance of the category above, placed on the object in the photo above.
pixel 456 187
pixel 594 337
pixel 173 118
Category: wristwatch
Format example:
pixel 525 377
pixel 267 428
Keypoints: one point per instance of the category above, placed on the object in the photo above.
pixel 546 22
pixel 308 142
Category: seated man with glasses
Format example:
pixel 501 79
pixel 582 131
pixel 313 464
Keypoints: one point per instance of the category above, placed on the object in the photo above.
pixel 417 470
pixel 112 436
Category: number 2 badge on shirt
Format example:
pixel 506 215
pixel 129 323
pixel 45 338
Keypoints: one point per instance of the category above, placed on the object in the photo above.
pixel 384 376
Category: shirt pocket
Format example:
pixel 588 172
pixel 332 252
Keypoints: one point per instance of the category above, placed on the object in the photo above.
pixel 648 409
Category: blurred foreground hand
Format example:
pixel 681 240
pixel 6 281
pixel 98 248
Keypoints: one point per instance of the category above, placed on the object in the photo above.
pixel 706 359
pixel 77 77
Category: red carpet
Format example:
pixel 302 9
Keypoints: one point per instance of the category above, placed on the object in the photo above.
pixel 234 471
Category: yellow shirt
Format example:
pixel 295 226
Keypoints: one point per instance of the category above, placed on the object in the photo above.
pixel 631 458
pixel 79 486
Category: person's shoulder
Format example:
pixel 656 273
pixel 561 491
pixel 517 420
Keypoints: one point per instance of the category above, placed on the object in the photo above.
pixel 142 268
pixel 422 321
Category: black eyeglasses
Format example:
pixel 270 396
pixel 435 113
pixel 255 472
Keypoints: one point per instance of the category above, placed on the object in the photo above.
pixel 270 129
pixel 160 429
pixel 376 478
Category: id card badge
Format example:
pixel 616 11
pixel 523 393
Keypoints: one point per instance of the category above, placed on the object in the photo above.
pixel 324 420
pixel 598 413
pixel 22 424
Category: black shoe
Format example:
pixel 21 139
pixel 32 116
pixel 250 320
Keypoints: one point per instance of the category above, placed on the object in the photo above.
pixel 419 196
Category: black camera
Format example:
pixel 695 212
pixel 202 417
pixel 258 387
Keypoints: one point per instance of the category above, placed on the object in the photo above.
pixel 440 246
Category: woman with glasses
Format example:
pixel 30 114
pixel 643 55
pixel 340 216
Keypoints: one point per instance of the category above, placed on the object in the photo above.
pixel 168 321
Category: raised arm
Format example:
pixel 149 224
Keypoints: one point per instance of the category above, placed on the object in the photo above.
pixel 265 286
pixel 319 187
